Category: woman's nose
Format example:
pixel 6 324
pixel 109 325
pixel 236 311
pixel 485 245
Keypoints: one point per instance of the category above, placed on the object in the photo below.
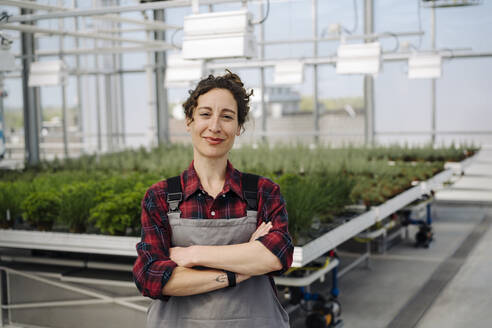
pixel 214 124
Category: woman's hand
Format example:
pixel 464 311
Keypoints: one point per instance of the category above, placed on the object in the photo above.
pixel 182 256
pixel 262 230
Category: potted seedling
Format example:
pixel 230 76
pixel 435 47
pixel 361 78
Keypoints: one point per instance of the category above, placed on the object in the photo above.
pixel 76 202
pixel 118 213
pixel 41 209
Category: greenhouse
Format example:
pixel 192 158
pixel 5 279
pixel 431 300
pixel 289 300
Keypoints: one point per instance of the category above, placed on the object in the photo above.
pixel 245 163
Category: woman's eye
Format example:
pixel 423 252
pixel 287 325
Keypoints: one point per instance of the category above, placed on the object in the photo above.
pixel 204 114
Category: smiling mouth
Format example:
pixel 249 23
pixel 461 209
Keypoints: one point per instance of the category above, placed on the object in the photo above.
pixel 213 141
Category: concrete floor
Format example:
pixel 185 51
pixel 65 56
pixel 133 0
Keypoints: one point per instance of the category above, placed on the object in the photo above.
pixel 466 301
pixel 375 297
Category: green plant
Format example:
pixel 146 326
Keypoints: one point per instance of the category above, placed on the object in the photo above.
pixel 334 193
pixel 298 196
pixel 307 197
pixel 118 212
pixel 41 209
pixel 5 218
pixel 76 202
pixel 318 180
pixel 14 193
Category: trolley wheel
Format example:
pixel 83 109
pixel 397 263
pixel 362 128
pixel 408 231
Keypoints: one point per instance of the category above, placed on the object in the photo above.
pixel 335 308
pixel 317 320
pixel 325 314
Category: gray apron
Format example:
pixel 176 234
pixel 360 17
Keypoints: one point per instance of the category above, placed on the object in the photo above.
pixel 250 304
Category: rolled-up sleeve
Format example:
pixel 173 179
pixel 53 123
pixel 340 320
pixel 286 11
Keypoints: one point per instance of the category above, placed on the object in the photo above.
pixel 271 207
pixel 153 267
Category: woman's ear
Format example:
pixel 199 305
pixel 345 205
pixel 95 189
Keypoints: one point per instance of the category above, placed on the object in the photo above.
pixel 238 132
pixel 187 123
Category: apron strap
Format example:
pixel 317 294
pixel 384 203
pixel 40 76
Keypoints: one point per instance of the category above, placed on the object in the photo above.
pixel 250 190
pixel 174 194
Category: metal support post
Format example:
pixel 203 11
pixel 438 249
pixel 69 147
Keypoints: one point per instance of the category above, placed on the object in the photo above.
pixel 109 89
pixel 334 285
pixel 98 103
pixel 63 91
pixel 98 90
pixel 31 100
pixel 116 112
pixel 80 119
pixel 433 81
pixel 121 98
pixel 151 94
pixel 368 79
pixel 264 109
pixel 117 77
pixel 3 128
pixel 315 72
pixel 121 101
pixel 161 91
pixel 109 106
pixel 428 211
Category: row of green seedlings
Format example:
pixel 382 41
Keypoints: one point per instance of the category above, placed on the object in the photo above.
pixel 95 202
pixel 267 159
pixel 75 202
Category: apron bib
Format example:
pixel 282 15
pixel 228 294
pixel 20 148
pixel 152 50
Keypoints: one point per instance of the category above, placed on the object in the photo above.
pixel 250 304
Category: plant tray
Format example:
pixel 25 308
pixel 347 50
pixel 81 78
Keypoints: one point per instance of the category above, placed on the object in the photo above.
pixel 125 246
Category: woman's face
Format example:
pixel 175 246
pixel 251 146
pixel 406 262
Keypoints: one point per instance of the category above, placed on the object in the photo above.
pixel 215 123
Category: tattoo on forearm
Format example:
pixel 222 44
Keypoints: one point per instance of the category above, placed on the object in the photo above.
pixel 221 278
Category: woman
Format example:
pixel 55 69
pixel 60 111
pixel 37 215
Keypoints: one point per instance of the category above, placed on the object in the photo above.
pixel 213 271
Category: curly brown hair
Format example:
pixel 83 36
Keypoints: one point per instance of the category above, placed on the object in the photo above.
pixel 229 81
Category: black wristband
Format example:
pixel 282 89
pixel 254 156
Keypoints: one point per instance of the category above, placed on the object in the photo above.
pixel 231 277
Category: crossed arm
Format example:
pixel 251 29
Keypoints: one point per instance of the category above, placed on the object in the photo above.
pixel 246 260
pixel 161 271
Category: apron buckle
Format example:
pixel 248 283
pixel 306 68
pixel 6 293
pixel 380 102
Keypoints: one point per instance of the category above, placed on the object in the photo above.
pixel 173 199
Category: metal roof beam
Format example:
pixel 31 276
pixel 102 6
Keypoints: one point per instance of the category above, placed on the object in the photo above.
pixel 115 18
pixel 101 51
pixel 35 29
pixel 109 10
pixel 346 37
pixel 390 57
pixel 447 54
pixel 151 25
pixel 28 5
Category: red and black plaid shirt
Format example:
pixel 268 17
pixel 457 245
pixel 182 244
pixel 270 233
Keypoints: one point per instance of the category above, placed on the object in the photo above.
pixel 153 267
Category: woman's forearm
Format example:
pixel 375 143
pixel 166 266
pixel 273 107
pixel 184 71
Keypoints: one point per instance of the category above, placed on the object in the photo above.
pixel 250 258
pixel 188 281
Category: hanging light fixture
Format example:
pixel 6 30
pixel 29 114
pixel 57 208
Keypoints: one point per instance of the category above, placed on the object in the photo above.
pixel 219 35
pixel 7 59
pixel 424 66
pixel 47 73
pixel 289 72
pixel 363 58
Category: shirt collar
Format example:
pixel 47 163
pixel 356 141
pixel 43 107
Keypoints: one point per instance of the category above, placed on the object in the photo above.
pixel 192 183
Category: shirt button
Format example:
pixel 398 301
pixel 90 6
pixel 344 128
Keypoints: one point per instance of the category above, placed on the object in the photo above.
pixel 213 213
pixel 223 196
